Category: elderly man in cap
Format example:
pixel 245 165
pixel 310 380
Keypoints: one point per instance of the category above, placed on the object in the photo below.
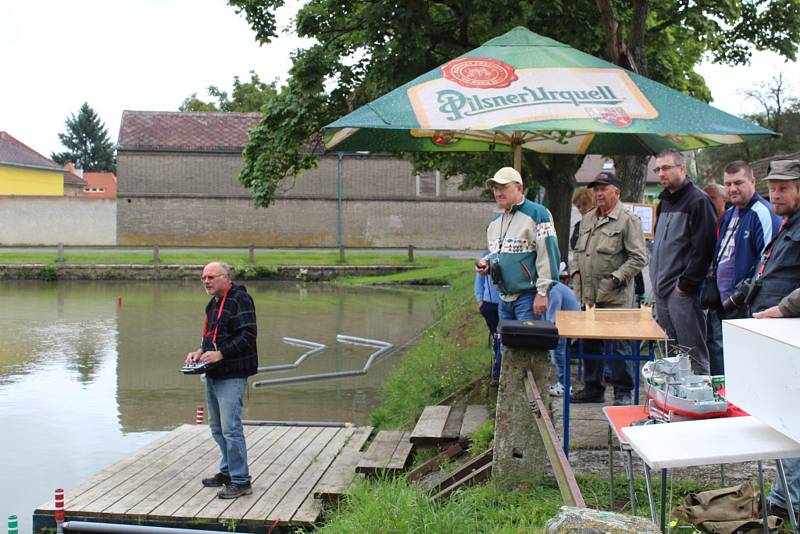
pixel 609 253
pixel 776 276
pixel 523 250
pixel 686 231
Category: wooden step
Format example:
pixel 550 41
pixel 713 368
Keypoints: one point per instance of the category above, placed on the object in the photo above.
pixel 337 479
pixel 439 425
pixel 453 451
pixel 437 482
pixel 390 452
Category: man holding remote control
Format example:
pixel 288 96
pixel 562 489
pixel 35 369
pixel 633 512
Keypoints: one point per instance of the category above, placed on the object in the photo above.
pixel 229 351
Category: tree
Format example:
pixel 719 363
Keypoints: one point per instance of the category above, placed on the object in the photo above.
pixel 87 143
pixel 781 113
pixel 364 49
pixel 246 96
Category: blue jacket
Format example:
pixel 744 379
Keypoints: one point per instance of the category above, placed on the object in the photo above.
pixel 757 224
pixel 485 290
pixel 560 297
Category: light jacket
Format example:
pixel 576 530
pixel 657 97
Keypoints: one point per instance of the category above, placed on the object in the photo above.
pixel 611 246
pixel 484 289
pixel 524 244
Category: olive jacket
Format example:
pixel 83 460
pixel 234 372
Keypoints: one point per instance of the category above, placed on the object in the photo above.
pixel 606 247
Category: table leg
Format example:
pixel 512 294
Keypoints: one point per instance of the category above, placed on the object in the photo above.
pixel 789 503
pixel 629 472
pixel 611 470
pixel 765 527
pixel 664 527
pixel 636 349
pixel 566 395
pixel 648 481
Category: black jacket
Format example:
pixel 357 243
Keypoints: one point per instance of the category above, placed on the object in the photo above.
pixel 686 233
pixel 236 336
pixel 782 272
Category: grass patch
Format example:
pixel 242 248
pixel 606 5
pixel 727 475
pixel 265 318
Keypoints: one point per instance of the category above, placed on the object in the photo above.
pixel 234 258
pixel 440 274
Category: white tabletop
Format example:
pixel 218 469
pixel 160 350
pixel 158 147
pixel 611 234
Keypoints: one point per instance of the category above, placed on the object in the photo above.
pixel 709 441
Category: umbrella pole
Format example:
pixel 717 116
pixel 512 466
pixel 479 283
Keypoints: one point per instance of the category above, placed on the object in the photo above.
pixel 517 156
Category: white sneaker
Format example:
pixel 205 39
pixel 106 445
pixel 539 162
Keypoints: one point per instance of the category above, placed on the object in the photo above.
pixel 556 390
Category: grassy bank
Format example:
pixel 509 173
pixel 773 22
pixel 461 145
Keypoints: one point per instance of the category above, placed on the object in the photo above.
pixel 451 354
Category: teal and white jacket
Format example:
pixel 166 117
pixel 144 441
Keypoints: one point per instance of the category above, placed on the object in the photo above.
pixel 525 246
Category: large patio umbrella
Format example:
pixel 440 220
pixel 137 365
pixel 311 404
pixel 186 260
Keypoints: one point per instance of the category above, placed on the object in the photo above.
pixel 524 92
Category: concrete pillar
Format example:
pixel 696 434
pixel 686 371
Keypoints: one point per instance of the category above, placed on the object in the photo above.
pixel 519 456
pixel 341 253
pixel 411 253
pixel 251 254
pixel 60 256
pixel 156 254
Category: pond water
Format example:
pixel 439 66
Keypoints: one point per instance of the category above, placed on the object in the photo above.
pixel 85 381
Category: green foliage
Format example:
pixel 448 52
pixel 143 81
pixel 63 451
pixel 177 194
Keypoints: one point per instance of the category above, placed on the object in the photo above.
pixel 449 355
pixel 246 96
pixel 87 143
pixel 482 439
pixel 48 273
pixel 389 505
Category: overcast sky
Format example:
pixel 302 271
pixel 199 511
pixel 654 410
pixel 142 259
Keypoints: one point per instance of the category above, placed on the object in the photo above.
pixel 151 54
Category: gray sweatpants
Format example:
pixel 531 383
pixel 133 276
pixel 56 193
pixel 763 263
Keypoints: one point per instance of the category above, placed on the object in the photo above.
pixel 681 316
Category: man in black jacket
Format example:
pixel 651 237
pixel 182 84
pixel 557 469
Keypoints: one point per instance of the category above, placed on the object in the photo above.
pixel 229 349
pixel 682 250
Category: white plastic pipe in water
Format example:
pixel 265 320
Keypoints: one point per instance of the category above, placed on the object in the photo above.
pixel 114 528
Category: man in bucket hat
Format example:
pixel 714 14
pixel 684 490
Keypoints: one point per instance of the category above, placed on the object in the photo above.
pixel 609 253
pixel 777 275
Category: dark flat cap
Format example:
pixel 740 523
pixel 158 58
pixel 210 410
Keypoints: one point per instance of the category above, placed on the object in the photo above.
pixel 606 177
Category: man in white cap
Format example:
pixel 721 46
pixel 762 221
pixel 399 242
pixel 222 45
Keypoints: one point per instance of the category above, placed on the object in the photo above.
pixel 523 249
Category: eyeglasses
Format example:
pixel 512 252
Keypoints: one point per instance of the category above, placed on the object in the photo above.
pixel 664 168
pixel 210 277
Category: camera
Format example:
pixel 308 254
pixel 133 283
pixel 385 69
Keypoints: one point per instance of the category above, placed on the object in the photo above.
pixel 496 273
pixel 744 293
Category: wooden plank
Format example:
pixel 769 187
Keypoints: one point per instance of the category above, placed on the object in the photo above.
pixel 193 435
pixel 206 504
pixel 454 450
pixel 259 439
pixel 340 474
pixel 611 323
pixel 308 513
pixel 262 509
pixel 452 428
pixel 435 483
pixel 380 451
pixel 74 496
pixel 294 498
pixel 144 470
pixel 479 475
pixel 474 417
pixel 430 425
pixel 402 454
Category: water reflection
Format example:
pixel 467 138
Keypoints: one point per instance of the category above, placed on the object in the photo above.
pixel 84 382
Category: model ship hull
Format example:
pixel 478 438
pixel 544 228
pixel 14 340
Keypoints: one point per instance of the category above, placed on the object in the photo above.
pixel 673 390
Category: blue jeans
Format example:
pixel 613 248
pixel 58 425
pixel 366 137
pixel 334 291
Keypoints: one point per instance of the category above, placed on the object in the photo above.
pixel 791 466
pixel 225 399
pixel 520 310
pixel 558 356
pixel 489 313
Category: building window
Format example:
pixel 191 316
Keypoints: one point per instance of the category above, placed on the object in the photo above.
pixel 428 184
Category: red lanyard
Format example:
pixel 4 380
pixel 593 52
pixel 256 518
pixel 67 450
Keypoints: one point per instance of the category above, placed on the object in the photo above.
pixel 219 314
pixel 768 253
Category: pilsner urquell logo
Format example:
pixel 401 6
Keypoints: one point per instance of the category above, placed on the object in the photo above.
pixel 457 105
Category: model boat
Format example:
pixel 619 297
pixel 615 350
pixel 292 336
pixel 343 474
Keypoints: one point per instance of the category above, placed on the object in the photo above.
pixel 675 393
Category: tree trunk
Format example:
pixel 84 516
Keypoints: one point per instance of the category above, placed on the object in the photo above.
pixel 557 174
pixel 633 174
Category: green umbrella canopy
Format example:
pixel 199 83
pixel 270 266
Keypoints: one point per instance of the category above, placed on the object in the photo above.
pixel 524 90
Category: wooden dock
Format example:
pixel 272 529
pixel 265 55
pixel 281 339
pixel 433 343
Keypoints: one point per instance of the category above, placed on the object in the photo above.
pixel 160 483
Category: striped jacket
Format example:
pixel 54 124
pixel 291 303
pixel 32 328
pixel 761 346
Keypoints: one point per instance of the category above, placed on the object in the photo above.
pixel 524 244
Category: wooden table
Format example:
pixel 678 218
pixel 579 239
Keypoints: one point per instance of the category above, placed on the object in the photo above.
pixel 629 324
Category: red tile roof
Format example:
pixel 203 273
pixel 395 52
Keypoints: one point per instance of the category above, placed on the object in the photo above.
pixel 185 131
pixel 101 180
pixel 16 152
pixel 74 179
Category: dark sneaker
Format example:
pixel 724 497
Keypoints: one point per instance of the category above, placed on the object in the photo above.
pixel 494 382
pixel 232 490
pixel 216 481
pixel 622 398
pixel 588 395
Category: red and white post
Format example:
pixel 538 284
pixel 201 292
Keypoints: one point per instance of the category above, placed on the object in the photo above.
pixel 59 511
pixel 199 415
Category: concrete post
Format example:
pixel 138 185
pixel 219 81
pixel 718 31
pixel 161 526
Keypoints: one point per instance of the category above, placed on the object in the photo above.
pixel 252 254
pixel 411 253
pixel 341 253
pixel 60 256
pixel 519 456
pixel 156 254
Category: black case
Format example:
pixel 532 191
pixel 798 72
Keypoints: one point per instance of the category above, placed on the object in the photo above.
pixel 528 334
